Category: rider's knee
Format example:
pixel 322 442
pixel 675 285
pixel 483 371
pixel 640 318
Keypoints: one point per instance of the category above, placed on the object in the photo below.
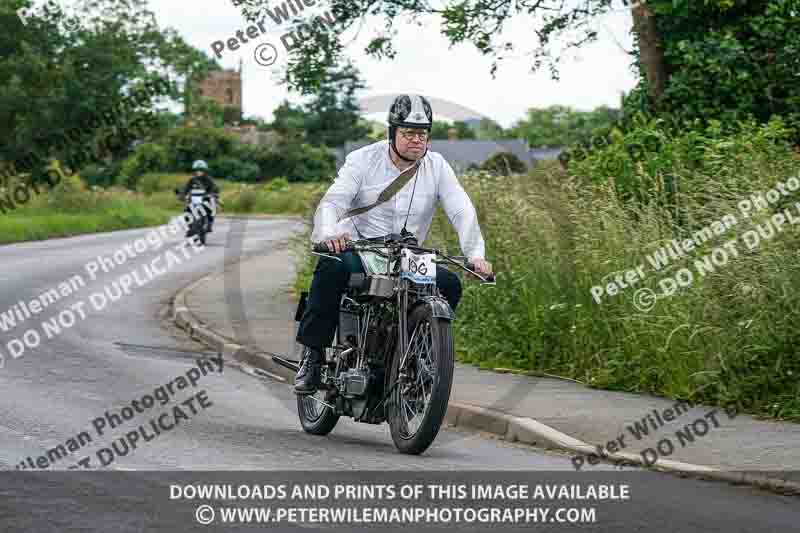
pixel 332 269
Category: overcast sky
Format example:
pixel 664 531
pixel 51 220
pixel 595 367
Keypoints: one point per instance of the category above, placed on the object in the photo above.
pixel 425 63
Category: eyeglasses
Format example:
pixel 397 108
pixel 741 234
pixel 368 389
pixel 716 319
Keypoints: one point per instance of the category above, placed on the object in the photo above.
pixel 410 134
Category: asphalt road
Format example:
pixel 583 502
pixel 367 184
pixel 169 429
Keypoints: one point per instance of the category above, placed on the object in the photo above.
pixel 57 392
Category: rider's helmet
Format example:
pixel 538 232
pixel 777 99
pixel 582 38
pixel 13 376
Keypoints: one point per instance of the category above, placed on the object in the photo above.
pixel 409 111
pixel 199 165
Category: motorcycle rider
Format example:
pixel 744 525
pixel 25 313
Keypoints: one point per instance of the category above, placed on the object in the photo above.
pixel 202 180
pixel 365 173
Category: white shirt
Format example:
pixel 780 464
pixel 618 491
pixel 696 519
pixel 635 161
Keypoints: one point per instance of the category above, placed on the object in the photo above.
pixel 368 171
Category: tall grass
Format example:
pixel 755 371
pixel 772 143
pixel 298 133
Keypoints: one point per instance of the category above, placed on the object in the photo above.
pixel 732 336
pixel 277 196
pixel 71 208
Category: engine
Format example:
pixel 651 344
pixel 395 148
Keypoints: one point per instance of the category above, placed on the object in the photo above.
pixel 354 383
pixel 360 390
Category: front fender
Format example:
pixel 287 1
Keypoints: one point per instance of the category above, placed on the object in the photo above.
pixel 438 306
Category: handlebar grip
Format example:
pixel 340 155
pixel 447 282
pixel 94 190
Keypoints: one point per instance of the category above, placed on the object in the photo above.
pixel 489 278
pixel 320 247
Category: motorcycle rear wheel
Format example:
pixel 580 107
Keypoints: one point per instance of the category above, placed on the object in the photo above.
pixel 316 418
pixel 426 395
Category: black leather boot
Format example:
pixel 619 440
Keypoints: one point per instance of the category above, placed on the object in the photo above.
pixel 307 380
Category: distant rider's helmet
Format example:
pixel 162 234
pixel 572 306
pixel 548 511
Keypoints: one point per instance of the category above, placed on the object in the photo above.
pixel 200 165
pixel 409 111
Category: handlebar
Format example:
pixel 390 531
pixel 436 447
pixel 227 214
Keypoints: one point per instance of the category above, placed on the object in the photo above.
pixel 489 278
pixel 320 247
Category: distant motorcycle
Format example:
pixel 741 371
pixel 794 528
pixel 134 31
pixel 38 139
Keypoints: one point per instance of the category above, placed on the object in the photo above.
pixel 200 204
pixel 394 357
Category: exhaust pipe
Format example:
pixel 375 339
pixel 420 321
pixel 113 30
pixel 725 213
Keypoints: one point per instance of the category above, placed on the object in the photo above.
pixel 287 363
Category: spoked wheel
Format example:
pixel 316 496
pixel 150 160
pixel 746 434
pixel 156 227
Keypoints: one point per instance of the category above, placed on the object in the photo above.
pixel 422 378
pixel 315 416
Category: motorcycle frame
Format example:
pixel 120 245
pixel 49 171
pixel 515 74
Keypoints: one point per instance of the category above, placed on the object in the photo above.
pixel 440 308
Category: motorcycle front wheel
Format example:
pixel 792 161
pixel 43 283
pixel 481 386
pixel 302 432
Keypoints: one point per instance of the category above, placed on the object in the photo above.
pixel 422 379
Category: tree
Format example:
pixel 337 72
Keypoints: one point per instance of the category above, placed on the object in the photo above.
pixel 331 118
pixel 561 125
pixel 56 78
pixel 334 114
pixel 504 164
pixel 290 121
pixel 441 130
pixel 488 129
pixel 231 114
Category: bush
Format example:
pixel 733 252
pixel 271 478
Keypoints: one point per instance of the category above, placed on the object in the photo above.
pixel 230 168
pixel 187 144
pixel 147 157
pixel 70 195
pixel 277 184
pixel 244 201
pixel 299 162
pixel 504 163
pixel 650 162
pixel 100 175
pixel 155 182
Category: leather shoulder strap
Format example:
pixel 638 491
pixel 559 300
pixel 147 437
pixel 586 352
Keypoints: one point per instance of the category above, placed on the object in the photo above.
pixel 386 194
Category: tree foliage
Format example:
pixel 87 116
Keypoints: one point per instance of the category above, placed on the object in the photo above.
pixel 561 125
pixel 730 60
pixel 331 118
pixel 441 130
pixel 504 164
pixel 56 77
pixel 480 22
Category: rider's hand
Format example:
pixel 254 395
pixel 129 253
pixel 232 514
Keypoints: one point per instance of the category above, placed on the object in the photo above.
pixel 338 243
pixel 482 266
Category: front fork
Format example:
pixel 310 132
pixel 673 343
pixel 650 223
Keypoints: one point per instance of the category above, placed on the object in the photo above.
pixel 402 307
pixel 402 304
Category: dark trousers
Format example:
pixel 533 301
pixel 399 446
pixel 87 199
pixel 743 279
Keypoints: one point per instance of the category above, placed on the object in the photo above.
pixel 321 315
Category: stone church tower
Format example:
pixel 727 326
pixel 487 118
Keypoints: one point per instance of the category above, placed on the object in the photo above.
pixel 224 87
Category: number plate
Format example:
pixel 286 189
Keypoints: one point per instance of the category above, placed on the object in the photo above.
pixel 197 196
pixel 419 268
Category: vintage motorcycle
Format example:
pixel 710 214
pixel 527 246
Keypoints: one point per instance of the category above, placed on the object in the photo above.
pixel 394 354
pixel 199 203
